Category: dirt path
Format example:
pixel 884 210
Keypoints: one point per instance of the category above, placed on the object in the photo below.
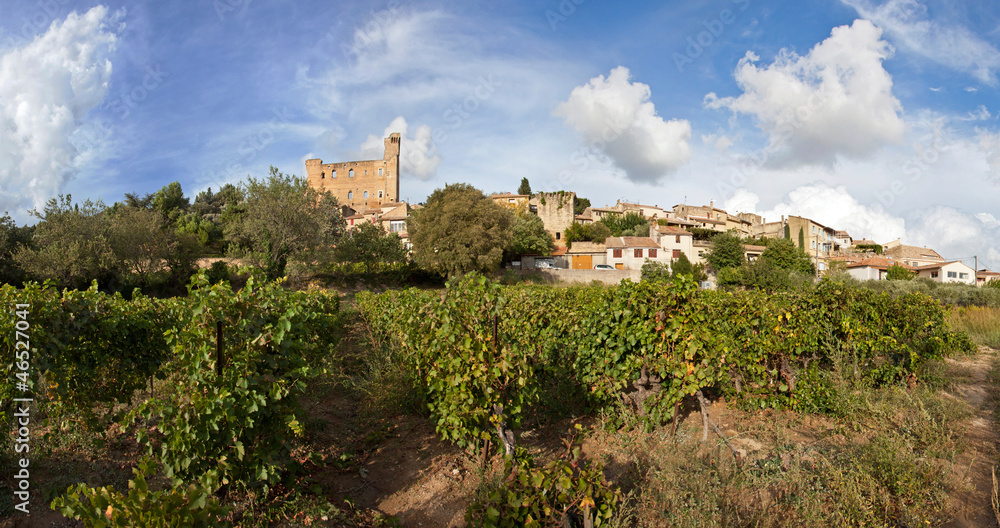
pixel 975 385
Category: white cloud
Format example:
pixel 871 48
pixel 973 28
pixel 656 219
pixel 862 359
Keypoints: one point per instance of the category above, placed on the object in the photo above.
pixel 957 235
pixel 416 157
pixel 833 207
pixel 614 116
pixel 835 101
pixel 981 113
pixel 989 144
pixel 47 89
pixel 971 89
pixel 950 45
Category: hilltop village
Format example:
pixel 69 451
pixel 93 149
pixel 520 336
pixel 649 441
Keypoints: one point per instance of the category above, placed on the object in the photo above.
pixel 369 192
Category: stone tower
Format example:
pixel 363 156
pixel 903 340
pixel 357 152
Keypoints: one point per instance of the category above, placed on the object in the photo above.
pixel 362 185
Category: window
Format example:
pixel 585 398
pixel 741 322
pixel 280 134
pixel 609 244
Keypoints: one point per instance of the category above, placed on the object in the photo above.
pixel 677 239
pixel 380 194
pixel 822 266
pixel 366 195
pixel 952 275
pixel 395 226
pixel 812 244
pixel 350 195
pixel 963 275
pixel 333 174
pixel 814 230
pixel 617 253
pixel 652 253
pixel 322 175
pixel 637 253
pixel 380 171
pixel 366 172
pixel 934 274
pixel 677 254
pixel 558 236
pixel 350 173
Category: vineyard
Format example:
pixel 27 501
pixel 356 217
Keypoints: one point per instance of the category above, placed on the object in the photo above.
pixel 211 386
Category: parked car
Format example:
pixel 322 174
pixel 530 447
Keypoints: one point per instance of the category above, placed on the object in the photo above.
pixel 545 264
pixel 604 267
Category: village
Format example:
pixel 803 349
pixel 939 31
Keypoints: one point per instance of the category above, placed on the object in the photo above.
pixel 369 194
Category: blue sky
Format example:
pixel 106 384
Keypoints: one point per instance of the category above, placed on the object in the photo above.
pixel 874 116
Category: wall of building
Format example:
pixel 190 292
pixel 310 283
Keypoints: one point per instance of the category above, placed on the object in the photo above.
pixel 611 277
pixel 556 211
pixel 956 267
pixel 378 178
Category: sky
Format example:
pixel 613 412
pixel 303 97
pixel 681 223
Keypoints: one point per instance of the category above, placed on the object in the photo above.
pixel 878 117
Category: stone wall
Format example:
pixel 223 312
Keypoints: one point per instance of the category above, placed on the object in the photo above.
pixel 588 276
pixel 361 185
pixel 556 211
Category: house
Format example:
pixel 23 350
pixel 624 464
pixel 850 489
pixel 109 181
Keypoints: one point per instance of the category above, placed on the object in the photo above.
pixel 514 202
pixel 984 277
pixel 752 252
pixel 674 241
pixel 954 271
pixel 872 268
pixel 653 212
pixel 842 239
pixel 393 220
pixel 815 239
pixel 586 255
pixel 630 253
pixel 912 255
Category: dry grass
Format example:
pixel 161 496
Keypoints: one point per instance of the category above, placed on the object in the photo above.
pixel 982 324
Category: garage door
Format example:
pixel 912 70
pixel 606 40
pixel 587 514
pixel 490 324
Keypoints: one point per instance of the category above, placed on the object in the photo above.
pixel 583 261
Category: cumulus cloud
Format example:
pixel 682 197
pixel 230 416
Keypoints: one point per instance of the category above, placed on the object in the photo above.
pixel 833 207
pixel 834 101
pixel 950 45
pixel 957 234
pixel 615 117
pixel 417 156
pixel 989 144
pixel 47 89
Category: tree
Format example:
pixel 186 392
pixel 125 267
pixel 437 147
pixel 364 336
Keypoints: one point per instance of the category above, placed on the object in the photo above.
pixel 580 205
pixel 626 225
pixel 71 245
pixel 525 187
pixel 727 252
pixel 897 272
pixel 12 239
pixel 529 236
pixel 170 202
pixel 783 254
pixel 683 266
pixel 592 232
pixel 371 244
pixel 282 217
pixel 802 239
pixel 460 230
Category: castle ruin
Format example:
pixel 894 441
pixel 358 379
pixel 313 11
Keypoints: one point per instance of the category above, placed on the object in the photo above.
pixel 362 185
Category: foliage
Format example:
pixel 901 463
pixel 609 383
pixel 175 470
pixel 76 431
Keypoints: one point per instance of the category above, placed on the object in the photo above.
pixel 580 205
pixel 170 202
pixel 282 217
pixel 569 491
pixel 683 266
pixel 897 272
pixel 782 254
pixel 12 240
pixel 459 230
pixel 655 271
pixel 235 421
pixel 525 187
pixel 628 224
pixel 875 248
pixel 370 244
pixel 192 505
pixel 592 232
pixel 529 236
pixel 87 349
pixel 727 252
pixel 71 244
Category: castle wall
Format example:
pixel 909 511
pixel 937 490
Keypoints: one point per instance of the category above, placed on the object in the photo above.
pixel 361 185
pixel 556 211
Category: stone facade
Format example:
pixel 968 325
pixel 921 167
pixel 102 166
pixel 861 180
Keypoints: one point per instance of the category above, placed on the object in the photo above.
pixel 362 185
pixel 556 211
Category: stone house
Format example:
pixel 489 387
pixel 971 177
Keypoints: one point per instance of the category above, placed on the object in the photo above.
pixel 630 253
